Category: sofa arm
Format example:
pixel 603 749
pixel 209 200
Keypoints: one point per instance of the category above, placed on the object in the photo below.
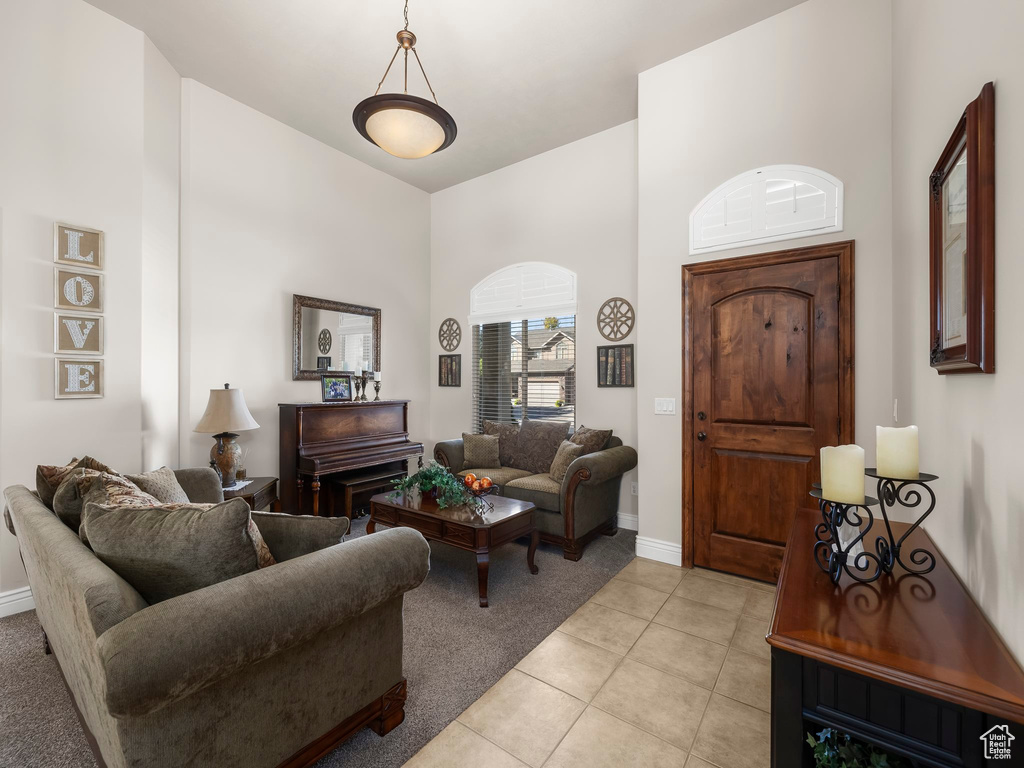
pixel 291 536
pixel 201 485
pixel 451 454
pixel 599 467
pixel 172 649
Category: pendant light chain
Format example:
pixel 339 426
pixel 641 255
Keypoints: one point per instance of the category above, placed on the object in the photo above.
pixel 405 74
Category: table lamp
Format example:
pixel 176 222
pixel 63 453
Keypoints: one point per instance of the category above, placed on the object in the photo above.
pixel 226 414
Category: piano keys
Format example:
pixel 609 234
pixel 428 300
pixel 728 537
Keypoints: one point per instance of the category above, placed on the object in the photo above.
pixel 340 440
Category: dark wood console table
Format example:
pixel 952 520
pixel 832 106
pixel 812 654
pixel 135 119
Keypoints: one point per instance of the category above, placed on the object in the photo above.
pixel 908 663
pixel 340 440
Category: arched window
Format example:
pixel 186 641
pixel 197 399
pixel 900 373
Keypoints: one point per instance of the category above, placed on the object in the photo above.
pixel 523 322
pixel 777 202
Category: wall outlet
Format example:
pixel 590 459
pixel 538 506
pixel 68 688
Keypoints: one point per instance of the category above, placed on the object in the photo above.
pixel 635 489
pixel 664 406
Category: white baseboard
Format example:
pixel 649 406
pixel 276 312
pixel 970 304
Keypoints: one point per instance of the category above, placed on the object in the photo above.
pixel 16 601
pixel 662 551
pixel 629 522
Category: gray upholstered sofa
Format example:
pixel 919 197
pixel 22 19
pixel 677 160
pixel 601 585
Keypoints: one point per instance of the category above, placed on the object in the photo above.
pixel 273 668
pixel 585 504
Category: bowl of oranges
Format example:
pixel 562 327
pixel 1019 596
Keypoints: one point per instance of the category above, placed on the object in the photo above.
pixel 479 486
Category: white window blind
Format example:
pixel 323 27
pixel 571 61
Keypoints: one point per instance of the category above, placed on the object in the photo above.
pixel 524 369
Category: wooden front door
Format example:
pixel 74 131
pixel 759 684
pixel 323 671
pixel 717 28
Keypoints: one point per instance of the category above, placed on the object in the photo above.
pixel 770 359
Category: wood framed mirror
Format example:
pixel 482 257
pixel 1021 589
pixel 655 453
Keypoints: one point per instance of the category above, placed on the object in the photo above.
pixel 333 336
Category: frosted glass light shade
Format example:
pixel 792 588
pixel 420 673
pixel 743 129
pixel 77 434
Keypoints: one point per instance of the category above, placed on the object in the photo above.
pixel 404 133
pixel 842 474
pixel 403 125
pixel 226 412
pixel 896 450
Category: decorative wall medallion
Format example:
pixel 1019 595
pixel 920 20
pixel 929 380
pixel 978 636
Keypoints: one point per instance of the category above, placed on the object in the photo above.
pixel 615 319
pixel 77 378
pixel 76 290
pixel 450 334
pixel 77 246
pixel 77 334
pixel 324 342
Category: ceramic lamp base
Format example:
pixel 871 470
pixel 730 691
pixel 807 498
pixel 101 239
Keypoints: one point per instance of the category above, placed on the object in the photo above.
pixel 226 457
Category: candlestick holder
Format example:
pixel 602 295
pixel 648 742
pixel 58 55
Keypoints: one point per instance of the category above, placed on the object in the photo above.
pixel 376 391
pixel 895 491
pixel 355 380
pixel 831 553
pixel 363 397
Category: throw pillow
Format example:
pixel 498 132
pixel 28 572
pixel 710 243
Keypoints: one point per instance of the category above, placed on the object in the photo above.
pixel 113 491
pixel 508 438
pixel 164 552
pixel 591 439
pixel 49 478
pixel 481 451
pixel 70 496
pixel 162 484
pixel 566 454
pixel 537 445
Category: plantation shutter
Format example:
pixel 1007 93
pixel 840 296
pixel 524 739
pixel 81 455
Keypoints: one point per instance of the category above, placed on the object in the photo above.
pixel 524 369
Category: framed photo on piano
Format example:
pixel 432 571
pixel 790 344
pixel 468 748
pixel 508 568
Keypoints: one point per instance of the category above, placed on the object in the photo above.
pixel 336 387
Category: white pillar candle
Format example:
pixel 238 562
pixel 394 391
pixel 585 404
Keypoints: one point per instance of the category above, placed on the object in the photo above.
pixel 842 474
pixel 896 450
pixel 358 371
pixel 376 375
pixel 344 365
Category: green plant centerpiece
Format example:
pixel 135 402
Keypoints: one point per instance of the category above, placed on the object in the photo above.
pixel 833 749
pixel 436 481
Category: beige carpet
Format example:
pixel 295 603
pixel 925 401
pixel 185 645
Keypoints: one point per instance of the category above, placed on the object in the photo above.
pixel 454 651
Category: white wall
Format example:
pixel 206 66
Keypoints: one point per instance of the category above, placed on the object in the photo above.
pixel 159 297
pixel 574 206
pixel 71 149
pixel 267 212
pixel 809 86
pixel 970 424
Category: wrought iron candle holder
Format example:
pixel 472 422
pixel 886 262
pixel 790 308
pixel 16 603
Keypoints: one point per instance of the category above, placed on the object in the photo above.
pixel 376 391
pixel 362 398
pixel 834 556
pixel 830 552
pixel 357 383
pixel 902 491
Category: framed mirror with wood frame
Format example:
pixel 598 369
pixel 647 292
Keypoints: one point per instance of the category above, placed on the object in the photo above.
pixel 333 337
pixel 962 238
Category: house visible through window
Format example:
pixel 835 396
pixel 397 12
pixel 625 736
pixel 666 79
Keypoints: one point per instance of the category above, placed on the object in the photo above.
pixel 525 369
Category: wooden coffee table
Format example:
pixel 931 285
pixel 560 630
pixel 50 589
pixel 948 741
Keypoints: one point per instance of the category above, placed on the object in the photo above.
pixel 461 527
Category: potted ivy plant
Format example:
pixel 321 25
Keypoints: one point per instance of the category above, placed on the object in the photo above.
pixel 436 482
pixel 833 749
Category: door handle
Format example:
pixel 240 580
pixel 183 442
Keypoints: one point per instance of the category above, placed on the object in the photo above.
pixel 701 415
pixel 702 436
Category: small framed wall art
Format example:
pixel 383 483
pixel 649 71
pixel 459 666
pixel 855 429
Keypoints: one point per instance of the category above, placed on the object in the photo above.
pixel 962 238
pixel 77 291
pixel 77 334
pixel 336 387
pixel 323 362
pixel 77 246
pixel 615 365
pixel 77 378
pixel 449 370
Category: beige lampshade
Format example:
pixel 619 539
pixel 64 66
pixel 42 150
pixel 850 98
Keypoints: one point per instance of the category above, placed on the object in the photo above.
pixel 226 412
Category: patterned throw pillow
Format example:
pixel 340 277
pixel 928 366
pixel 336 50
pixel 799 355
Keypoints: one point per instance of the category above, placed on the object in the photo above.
pixel 70 496
pixel 537 445
pixel 592 440
pixel 481 451
pixel 168 551
pixel 567 453
pixel 113 491
pixel 508 439
pixel 49 478
pixel 162 484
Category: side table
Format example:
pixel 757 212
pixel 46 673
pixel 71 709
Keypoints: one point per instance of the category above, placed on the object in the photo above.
pixel 259 494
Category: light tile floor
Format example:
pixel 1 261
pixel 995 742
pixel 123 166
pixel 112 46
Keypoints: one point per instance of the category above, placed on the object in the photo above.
pixel 664 667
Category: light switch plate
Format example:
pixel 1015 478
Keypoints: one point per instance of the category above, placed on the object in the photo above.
pixel 664 406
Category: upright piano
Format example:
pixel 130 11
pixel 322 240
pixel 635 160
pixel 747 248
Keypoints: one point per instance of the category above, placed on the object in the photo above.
pixel 347 442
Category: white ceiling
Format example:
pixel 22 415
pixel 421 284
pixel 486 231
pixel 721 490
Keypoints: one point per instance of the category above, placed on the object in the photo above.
pixel 520 77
